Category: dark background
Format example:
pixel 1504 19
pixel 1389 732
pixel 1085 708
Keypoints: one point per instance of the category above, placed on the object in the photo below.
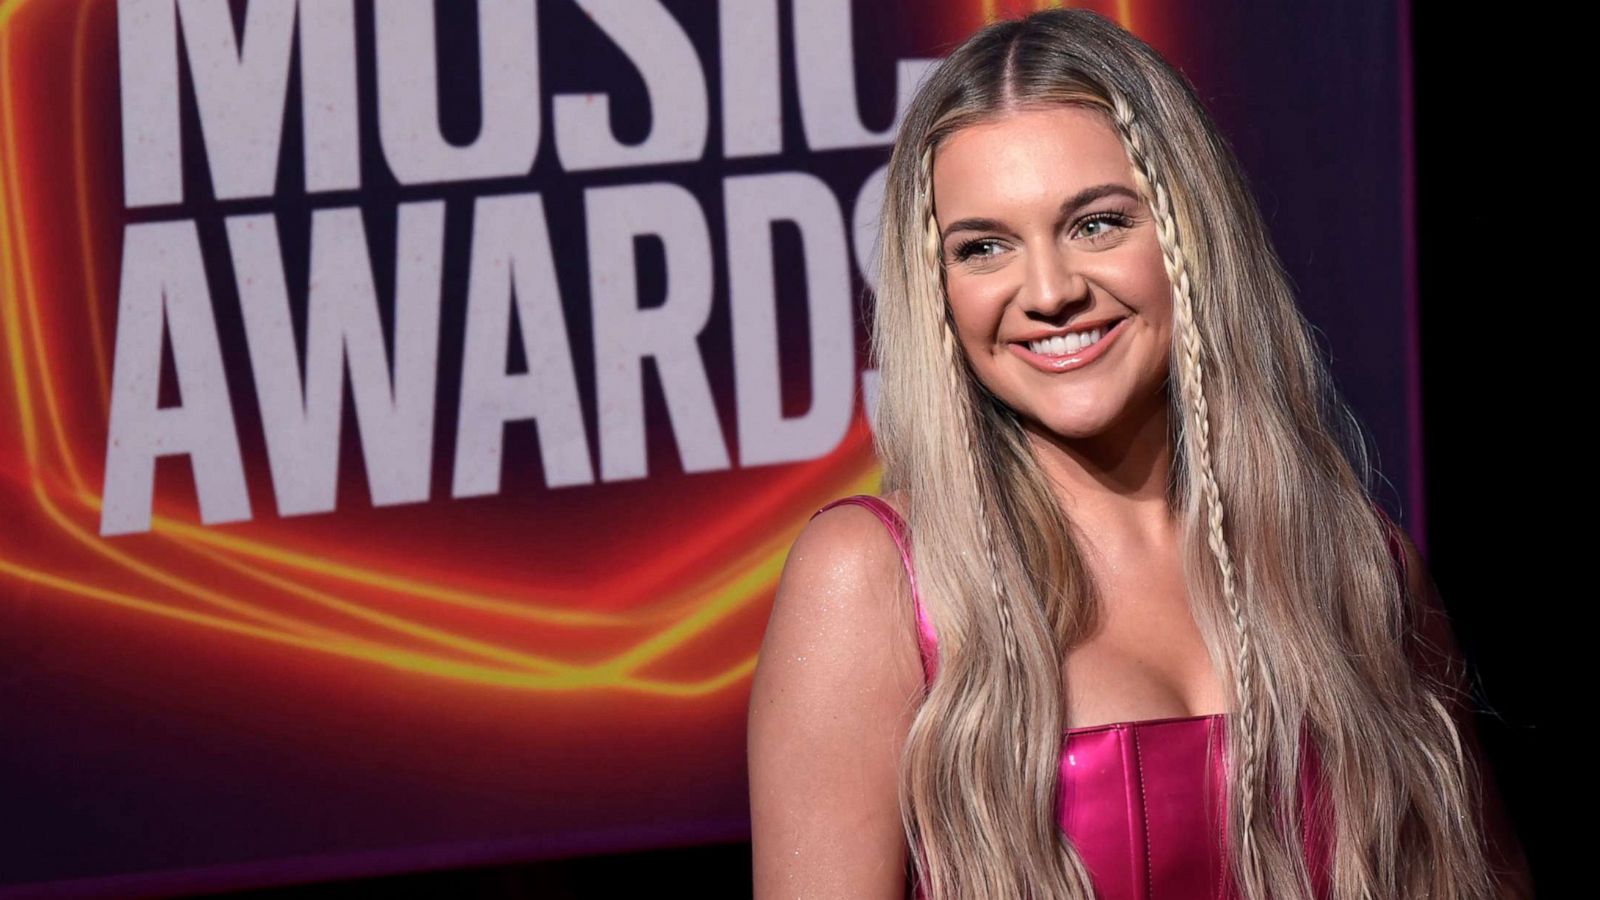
pixel 1491 548
pixel 1477 225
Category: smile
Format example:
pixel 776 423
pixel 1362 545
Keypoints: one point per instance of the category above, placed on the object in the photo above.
pixel 1064 354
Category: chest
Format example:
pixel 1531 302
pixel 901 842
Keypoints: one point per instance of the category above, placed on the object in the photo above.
pixel 1145 658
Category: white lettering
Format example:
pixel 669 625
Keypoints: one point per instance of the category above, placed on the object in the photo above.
pixel 624 334
pixel 752 107
pixel 754 203
pixel 656 44
pixel 164 287
pixel 240 92
pixel 301 422
pixel 825 66
pixel 408 93
pixel 511 259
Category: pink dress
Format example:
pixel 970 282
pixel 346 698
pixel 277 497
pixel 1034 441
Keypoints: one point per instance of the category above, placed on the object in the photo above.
pixel 1142 801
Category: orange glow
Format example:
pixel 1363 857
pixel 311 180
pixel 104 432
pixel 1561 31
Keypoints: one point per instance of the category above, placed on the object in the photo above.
pixel 252 581
pixel 241 581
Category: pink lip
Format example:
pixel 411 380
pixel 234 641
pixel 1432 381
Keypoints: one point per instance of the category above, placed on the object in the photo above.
pixel 1078 360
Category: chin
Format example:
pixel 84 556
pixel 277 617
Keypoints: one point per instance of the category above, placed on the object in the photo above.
pixel 1074 428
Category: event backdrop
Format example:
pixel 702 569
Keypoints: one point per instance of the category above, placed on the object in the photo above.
pixel 408 405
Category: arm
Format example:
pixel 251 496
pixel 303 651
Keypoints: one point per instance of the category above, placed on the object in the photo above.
pixel 1443 658
pixel 836 686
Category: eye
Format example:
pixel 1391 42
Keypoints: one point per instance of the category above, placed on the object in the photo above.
pixel 967 249
pixel 1105 219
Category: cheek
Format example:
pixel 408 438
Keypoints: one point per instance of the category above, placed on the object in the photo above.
pixel 976 318
pixel 1149 284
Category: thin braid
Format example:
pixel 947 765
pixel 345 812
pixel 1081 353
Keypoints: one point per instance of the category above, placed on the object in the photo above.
pixel 1191 373
pixel 961 403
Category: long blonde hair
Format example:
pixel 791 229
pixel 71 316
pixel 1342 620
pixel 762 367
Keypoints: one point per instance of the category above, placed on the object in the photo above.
pixel 1270 476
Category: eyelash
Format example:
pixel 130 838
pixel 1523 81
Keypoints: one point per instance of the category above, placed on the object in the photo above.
pixel 965 248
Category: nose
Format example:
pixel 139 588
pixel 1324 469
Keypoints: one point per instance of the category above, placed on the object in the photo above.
pixel 1052 283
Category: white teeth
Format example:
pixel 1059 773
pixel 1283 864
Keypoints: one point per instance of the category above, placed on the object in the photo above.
pixel 1066 344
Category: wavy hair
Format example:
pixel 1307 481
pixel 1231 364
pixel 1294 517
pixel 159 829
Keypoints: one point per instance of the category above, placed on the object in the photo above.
pixel 1271 470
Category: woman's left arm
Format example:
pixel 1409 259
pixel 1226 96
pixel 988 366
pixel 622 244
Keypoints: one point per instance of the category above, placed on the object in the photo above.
pixel 1514 881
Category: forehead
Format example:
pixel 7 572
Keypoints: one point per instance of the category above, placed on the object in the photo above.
pixel 1026 157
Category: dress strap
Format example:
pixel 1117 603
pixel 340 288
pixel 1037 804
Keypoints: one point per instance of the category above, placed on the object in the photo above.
pixel 927 643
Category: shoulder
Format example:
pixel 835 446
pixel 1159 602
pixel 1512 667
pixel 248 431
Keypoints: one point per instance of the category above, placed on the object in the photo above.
pixel 836 686
pixel 843 605
pixel 847 535
pixel 853 536
pixel 848 553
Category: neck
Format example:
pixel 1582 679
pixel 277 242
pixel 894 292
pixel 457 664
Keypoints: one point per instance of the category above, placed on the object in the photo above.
pixel 1115 480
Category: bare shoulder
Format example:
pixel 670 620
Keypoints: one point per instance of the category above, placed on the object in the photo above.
pixel 845 570
pixel 843 599
pixel 836 685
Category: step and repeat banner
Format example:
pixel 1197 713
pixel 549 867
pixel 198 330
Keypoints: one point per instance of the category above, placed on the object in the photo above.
pixel 407 406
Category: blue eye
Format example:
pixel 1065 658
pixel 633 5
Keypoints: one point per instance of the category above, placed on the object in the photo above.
pixel 973 248
pixel 1109 218
pixel 967 249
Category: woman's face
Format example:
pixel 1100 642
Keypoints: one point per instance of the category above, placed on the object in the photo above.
pixel 1043 234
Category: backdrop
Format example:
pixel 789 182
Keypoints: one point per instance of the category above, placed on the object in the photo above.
pixel 407 406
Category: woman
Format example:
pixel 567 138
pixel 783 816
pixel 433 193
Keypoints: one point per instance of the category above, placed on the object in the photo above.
pixel 1124 503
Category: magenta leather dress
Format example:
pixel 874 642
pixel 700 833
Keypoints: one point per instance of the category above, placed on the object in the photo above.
pixel 1143 802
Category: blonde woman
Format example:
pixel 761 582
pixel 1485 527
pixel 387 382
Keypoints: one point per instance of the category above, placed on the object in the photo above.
pixel 1125 622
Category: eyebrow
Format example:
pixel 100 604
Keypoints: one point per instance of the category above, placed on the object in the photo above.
pixel 1071 205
